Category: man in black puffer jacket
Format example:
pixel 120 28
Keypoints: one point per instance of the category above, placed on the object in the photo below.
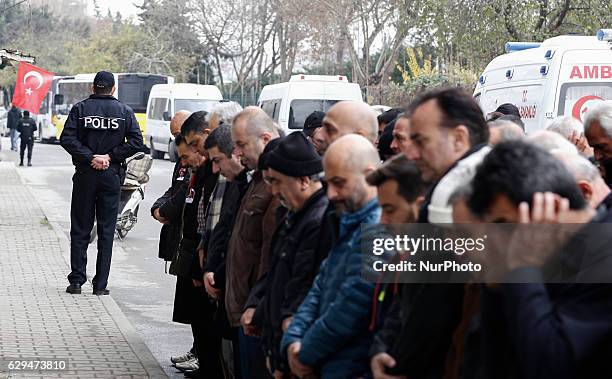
pixel 295 176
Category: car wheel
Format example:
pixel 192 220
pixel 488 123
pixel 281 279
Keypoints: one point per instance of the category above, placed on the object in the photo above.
pixel 172 154
pixel 154 153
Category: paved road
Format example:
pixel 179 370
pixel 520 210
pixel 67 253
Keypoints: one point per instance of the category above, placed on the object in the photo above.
pixel 137 281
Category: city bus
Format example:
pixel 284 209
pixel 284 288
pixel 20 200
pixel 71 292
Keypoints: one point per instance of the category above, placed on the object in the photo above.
pixel 45 119
pixel 133 89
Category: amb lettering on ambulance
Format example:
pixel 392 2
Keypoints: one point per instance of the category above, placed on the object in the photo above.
pixel 561 76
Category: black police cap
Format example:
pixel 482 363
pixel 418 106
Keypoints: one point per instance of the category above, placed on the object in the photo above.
pixel 104 79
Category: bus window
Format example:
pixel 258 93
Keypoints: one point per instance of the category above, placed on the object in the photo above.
pixel 73 93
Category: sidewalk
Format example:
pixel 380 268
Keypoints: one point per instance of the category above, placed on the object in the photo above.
pixel 38 320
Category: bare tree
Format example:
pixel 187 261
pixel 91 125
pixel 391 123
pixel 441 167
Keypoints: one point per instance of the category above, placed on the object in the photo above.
pixel 236 33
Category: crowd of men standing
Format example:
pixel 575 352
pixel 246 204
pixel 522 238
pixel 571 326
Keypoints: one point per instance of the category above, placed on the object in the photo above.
pixel 264 232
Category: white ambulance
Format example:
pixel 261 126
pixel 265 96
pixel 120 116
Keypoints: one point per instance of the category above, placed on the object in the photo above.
pixel 562 76
pixel 291 102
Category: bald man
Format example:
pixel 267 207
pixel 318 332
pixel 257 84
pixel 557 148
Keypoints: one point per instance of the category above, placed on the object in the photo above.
pixel 175 129
pixel 504 130
pixel 349 117
pixel 177 121
pixel 329 333
pixel 252 129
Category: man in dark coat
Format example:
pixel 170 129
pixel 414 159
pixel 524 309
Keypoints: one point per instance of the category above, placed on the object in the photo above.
pixel 100 133
pixel 249 248
pixel 402 346
pixel 164 209
pixel 191 305
pixel 294 175
pixel 220 147
pixel 535 325
pixel 26 128
pixel 12 119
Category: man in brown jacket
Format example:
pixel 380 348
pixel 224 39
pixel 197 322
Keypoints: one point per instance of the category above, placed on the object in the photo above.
pixel 249 247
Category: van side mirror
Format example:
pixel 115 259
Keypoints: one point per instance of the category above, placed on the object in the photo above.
pixel 58 99
pixel 166 116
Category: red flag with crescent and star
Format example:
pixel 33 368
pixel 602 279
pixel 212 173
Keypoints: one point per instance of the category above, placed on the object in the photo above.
pixel 31 88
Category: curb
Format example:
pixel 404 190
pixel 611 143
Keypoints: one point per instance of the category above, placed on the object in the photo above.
pixel 140 349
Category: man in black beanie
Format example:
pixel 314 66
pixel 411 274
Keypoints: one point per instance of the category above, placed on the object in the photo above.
pixel 294 175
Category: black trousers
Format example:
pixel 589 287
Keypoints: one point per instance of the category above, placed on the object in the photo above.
pixel 29 143
pixel 94 194
pixel 206 334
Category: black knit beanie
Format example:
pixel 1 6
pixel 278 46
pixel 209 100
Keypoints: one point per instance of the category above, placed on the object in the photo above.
pixel 295 156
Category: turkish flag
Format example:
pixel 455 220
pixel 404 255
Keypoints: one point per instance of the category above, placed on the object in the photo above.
pixel 31 88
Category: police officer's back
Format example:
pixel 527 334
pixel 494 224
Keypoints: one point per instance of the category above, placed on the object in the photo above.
pixel 99 134
pixel 26 128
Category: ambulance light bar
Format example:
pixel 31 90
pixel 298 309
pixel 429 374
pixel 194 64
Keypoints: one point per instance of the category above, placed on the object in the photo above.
pixel 518 46
pixel 604 35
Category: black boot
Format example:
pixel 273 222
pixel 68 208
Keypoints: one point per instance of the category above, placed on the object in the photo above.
pixel 29 163
pixel 21 163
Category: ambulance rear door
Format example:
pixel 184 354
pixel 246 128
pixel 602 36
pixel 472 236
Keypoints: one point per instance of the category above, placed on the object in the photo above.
pixel 585 79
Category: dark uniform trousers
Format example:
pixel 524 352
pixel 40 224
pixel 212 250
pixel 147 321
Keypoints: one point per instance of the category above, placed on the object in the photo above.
pixel 94 194
pixel 26 142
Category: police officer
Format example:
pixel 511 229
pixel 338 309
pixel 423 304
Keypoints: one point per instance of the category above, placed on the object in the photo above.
pixel 99 134
pixel 26 128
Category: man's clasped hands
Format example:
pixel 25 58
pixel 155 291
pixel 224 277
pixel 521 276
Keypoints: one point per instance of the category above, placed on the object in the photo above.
pixel 100 162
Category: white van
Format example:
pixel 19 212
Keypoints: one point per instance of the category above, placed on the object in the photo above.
pixel 561 76
pixel 167 99
pixel 291 102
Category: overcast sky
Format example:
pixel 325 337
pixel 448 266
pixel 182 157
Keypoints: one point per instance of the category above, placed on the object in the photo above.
pixel 125 7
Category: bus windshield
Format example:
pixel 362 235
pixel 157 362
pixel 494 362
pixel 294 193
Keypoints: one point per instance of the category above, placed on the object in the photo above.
pixel 193 105
pixel 134 89
pixel 73 93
